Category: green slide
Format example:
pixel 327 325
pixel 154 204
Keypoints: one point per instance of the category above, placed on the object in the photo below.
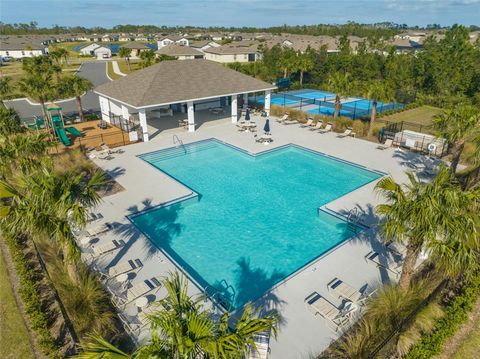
pixel 60 131
pixel 74 131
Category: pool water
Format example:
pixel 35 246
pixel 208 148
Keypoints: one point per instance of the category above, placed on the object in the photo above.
pixel 256 219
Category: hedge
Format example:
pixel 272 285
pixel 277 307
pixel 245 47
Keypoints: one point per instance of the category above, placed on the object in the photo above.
pixel 456 313
pixel 29 291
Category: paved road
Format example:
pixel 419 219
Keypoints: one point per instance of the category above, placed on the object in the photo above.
pixel 94 71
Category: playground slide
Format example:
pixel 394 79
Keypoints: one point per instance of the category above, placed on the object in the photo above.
pixel 74 131
pixel 60 131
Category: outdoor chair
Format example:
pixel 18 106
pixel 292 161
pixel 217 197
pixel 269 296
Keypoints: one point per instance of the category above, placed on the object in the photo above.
pixel 385 261
pixel 121 268
pixel 106 248
pixel 289 122
pixel 308 123
pixel 317 126
pixel 348 132
pixel 388 143
pixel 137 291
pixel 332 314
pixel 284 118
pixel 345 291
pixel 99 229
pixel 327 128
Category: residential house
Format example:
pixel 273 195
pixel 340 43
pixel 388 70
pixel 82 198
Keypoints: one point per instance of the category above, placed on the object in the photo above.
pixel 180 52
pixel 136 48
pixel 233 53
pixel 99 51
pixel 172 39
pixel 19 47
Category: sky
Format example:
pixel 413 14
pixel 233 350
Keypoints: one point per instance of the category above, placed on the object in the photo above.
pixel 259 13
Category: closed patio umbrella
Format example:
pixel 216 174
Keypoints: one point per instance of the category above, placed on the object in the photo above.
pixel 266 128
pixel 247 115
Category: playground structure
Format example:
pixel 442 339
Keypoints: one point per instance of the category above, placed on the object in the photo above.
pixel 55 116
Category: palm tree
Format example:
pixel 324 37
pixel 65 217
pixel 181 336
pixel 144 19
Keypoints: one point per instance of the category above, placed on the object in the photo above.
pixel 459 126
pixel 287 61
pixel 341 85
pixel 376 91
pixel 437 217
pixel 39 87
pixel 148 56
pixel 10 122
pixel 305 63
pixel 187 330
pixel 75 86
pixel 5 87
pixel 125 52
pixel 45 203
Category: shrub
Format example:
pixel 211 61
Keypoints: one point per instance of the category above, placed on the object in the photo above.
pixel 456 313
pixel 29 291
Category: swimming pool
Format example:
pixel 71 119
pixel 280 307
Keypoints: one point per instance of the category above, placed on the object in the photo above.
pixel 255 220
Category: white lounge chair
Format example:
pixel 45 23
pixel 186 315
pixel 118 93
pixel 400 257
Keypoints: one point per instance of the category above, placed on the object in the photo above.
pixel 319 305
pixel 385 261
pixel 121 268
pixel 348 132
pixel 317 126
pixel 103 155
pixel 388 143
pixel 138 290
pixel 106 248
pixel 110 151
pixel 327 128
pixel 345 291
pixel 284 118
pixel 308 123
pixel 289 122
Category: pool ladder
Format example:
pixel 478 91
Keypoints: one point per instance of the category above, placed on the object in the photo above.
pixel 355 218
pixel 179 143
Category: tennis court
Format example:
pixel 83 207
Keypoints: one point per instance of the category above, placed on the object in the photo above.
pixel 317 102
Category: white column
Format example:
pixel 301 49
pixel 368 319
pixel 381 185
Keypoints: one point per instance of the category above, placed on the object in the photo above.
pixel 234 109
pixel 142 115
pixel 268 95
pixel 245 100
pixel 191 116
pixel 125 113
pixel 104 108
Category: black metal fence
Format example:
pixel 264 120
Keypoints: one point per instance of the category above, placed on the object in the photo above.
pixel 418 141
pixel 355 108
pixel 111 139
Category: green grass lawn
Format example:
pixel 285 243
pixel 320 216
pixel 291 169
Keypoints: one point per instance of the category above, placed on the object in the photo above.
pixel 422 115
pixel 14 340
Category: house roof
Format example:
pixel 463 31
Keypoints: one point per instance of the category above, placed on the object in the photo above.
pixel 200 44
pixel 179 81
pixel 136 46
pixel 178 50
pixel 20 43
pixel 232 49
pixel 172 37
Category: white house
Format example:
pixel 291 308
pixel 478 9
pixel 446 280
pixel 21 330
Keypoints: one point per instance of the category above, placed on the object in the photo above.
pixel 170 39
pixel 99 51
pixel 102 52
pixel 88 49
pixel 20 47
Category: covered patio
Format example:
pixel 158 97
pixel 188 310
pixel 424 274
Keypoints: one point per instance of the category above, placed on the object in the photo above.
pixel 174 94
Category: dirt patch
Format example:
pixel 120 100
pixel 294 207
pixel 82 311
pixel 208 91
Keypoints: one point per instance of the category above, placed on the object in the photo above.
pixel 454 343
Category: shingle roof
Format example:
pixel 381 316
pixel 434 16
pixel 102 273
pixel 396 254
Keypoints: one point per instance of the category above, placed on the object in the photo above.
pixel 136 46
pixel 20 43
pixel 178 50
pixel 231 50
pixel 179 81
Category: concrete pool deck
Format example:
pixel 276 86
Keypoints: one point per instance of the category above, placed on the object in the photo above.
pixel 301 334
